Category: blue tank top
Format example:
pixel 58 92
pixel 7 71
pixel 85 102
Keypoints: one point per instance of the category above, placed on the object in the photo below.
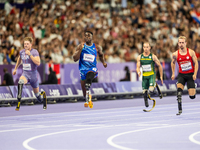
pixel 88 57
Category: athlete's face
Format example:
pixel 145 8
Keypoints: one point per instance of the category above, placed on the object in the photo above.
pixel 182 43
pixel 88 37
pixel 146 47
pixel 27 45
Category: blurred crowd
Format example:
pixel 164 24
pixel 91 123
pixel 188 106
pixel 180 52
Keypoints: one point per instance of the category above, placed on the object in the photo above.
pixel 120 27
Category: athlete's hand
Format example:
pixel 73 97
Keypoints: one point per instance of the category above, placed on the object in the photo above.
pixel 173 77
pixel 105 65
pixel 161 79
pixel 82 46
pixel 139 73
pixel 27 52
pixel 14 72
pixel 194 77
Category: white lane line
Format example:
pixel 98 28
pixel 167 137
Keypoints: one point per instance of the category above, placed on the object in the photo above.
pixel 78 115
pixel 41 126
pixel 110 139
pixel 80 112
pixel 15 130
pixel 86 111
pixel 25 143
pixel 191 138
pixel 96 121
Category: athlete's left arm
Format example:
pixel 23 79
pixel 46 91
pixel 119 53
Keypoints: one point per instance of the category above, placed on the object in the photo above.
pixel 155 59
pixel 196 65
pixel 101 55
pixel 35 59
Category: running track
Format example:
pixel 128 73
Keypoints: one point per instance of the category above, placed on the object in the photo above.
pixel 110 125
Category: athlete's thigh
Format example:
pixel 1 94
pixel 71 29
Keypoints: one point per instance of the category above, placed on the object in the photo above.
pixel 34 81
pixel 90 75
pixel 181 81
pixel 190 82
pixel 152 80
pixel 191 85
pixel 83 75
pixel 145 82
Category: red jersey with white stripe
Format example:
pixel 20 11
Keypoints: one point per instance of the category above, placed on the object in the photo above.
pixel 185 63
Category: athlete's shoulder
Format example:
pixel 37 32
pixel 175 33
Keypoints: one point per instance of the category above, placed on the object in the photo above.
pixel 34 50
pixel 153 55
pixel 138 58
pixel 21 51
pixel 175 53
pixel 97 46
pixel 80 46
pixel 191 52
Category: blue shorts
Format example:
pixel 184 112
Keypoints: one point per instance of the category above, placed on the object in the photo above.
pixel 83 73
pixel 32 78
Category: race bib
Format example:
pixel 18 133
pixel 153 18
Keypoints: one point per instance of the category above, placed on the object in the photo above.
pixel 26 66
pixel 88 57
pixel 146 68
pixel 186 66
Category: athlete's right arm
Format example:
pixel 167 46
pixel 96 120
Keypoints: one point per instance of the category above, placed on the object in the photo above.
pixel 77 54
pixel 17 65
pixel 173 64
pixel 138 66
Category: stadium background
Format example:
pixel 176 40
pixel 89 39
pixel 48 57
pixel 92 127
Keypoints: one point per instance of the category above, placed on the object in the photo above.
pixel 119 26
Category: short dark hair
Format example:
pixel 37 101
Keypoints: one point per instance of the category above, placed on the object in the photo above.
pixel 89 31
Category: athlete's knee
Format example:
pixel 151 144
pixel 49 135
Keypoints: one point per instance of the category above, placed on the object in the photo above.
pixel 38 96
pixel 151 89
pixel 21 81
pixel 88 81
pixel 179 94
pixel 145 92
pixel 192 97
pixel 87 86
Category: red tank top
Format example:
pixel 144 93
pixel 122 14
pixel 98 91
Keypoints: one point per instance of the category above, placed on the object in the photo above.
pixel 185 63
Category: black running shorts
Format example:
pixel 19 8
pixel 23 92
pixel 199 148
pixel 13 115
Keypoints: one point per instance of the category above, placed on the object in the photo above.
pixel 183 78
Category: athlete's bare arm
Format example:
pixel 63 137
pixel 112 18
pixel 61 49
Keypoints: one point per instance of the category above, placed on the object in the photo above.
pixel 77 54
pixel 36 59
pixel 155 59
pixel 101 56
pixel 196 65
pixel 138 65
pixel 17 64
pixel 173 64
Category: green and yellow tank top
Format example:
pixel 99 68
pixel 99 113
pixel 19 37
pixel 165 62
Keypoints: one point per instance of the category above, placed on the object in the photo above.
pixel 147 64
